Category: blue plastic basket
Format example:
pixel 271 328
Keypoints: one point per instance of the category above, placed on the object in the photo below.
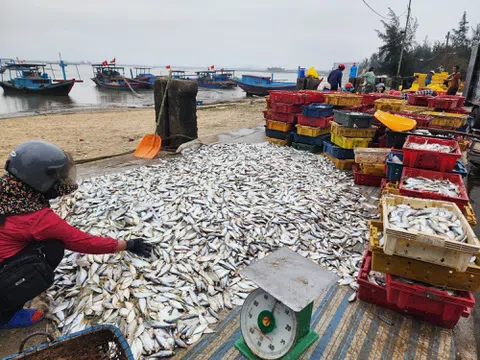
pixel 317 110
pixel 460 169
pixel 277 134
pixel 394 170
pixel 309 140
pixel 337 151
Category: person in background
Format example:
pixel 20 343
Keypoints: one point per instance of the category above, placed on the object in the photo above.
pixel 348 87
pixel 454 80
pixel 369 77
pixel 380 88
pixel 335 77
pixel 32 237
pixel 408 81
pixel 353 71
pixel 428 79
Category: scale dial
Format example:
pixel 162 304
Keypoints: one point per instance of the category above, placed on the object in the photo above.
pixel 269 328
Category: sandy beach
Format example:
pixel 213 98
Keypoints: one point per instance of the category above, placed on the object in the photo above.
pixel 101 133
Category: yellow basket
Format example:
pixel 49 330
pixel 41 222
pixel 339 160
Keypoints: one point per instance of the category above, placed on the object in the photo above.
pixel 371 155
pixel 279 126
pixel 389 104
pixel 419 270
pixel 340 164
pixel 415 109
pixel 446 119
pixel 277 141
pixel 350 143
pixel 373 169
pixel 311 131
pixel 470 214
pixel 390 188
pixel 463 144
pixel 343 99
pixel 340 130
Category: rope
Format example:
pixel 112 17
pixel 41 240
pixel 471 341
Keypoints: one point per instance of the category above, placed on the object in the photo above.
pixel 136 94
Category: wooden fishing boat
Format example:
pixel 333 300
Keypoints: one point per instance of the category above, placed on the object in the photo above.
pixel 215 79
pixel 144 76
pixel 261 85
pixel 112 77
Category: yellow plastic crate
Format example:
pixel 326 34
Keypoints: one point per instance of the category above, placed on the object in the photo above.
pixel 446 119
pixel 390 188
pixel 470 214
pixel 340 130
pixel 419 270
pixel 415 109
pixel 340 164
pixel 276 141
pixel 279 126
pixel 463 144
pixel 350 143
pixel 389 104
pixel 311 131
pixel 373 169
pixel 343 99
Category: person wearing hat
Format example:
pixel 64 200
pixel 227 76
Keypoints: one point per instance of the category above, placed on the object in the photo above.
pixel 369 77
pixel 428 79
pixel 348 87
pixel 32 237
pixel 335 77
pixel 380 88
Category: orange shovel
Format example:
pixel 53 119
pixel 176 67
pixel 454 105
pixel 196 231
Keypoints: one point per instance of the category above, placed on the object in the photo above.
pixel 151 144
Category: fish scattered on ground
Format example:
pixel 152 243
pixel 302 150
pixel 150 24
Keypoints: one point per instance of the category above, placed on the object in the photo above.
pixel 432 220
pixel 209 213
pixel 439 186
pixel 431 147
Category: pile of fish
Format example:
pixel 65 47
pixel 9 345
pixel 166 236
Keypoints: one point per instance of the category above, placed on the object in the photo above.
pixel 431 147
pixel 432 220
pixel 438 288
pixel 209 213
pixel 377 278
pixel 439 186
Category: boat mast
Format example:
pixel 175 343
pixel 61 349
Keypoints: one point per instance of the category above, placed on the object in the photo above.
pixel 62 65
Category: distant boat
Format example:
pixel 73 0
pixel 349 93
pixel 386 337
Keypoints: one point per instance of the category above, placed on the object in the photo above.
pixel 29 78
pixel 276 69
pixel 144 77
pixel 215 79
pixel 261 85
pixel 108 76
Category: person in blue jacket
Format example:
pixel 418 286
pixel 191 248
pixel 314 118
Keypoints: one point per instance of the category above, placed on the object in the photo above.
pixel 353 71
pixel 428 79
pixel 335 77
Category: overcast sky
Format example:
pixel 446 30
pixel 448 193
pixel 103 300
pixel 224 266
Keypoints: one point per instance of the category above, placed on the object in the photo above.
pixel 228 33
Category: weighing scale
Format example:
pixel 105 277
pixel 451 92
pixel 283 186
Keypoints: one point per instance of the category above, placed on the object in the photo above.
pixel 275 318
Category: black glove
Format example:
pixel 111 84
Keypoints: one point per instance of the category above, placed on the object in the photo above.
pixel 139 247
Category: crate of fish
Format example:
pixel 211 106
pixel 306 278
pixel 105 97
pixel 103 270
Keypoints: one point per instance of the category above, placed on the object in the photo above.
pixel 418 100
pixel 353 119
pixel 415 109
pixel 337 151
pixel 309 140
pixel 341 164
pixel 470 214
pixel 370 156
pixel 389 104
pixel 286 108
pixel 278 142
pixel 340 130
pixel 360 178
pixel 422 120
pixel 394 166
pixel 313 96
pixel 431 153
pixel 311 131
pixel 287 97
pixel 289 118
pixel 428 230
pixel 317 110
pixel 343 99
pixel 427 184
pixel 315 149
pixel 314 121
pixel 441 102
pixel 444 119
pixel 350 143
pixel 280 126
pixel 373 169
pixel 433 274
pixel 277 134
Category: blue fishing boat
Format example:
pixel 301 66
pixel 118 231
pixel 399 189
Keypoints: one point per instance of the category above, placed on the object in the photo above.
pixel 110 76
pixel 144 77
pixel 215 79
pixel 261 85
pixel 29 78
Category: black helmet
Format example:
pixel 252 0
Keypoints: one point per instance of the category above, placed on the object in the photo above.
pixel 39 164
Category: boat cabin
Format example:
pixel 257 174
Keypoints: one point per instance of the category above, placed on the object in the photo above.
pixel 143 71
pixel 27 75
pixel 256 80
pixel 110 71
pixel 178 74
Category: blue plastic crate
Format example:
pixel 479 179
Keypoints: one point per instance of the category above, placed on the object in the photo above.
pixel 337 151
pixel 317 110
pixel 394 170
pixel 460 168
pixel 277 134
pixel 309 140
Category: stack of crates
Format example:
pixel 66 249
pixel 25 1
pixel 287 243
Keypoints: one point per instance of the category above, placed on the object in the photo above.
pixel 370 168
pixel 313 127
pixel 349 130
pixel 415 273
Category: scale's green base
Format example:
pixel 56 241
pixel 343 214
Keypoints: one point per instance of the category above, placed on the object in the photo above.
pixel 301 346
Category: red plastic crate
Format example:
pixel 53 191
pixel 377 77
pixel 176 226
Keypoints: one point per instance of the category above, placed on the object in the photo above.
pixel 442 102
pixel 428 300
pixel 430 160
pixel 314 121
pixel 383 183
pixel 286 108
pixel 289 118
pixel 269 104
pixel 287 97
pixel 456 179
pixel 422 120
pixel 460 99
pixel 360 178
pixel 418 100
pixel 458 110
pixel 441 127
pixel 368 99
pixel 267 114
pixel 313 96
